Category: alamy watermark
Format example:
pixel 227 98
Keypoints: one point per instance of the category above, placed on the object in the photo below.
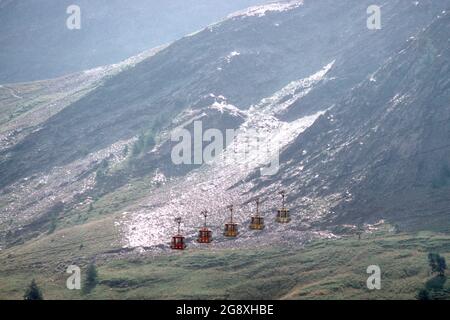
pixel 374 19
pixel 73 282
pixel 374 280
pixel 73 22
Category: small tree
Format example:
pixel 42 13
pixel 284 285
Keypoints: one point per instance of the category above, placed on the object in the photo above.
pixel 91 278
pixel 138 145
pixel 437 263
pixel 442 266
pixel 359 232
pixel 33 292
pixel 423 294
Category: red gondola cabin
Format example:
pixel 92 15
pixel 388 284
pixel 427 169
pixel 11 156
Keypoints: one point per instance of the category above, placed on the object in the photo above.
pixel 178 242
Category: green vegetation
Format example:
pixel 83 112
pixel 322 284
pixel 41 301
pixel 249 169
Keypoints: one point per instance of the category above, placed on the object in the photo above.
pixel 423 294
pixel 38 95
pixel 435 288
pixel 33 292
pixel 147 138
pixel 437 263
pixel 324 269
pixel 144 141
pixel 91 278
pixel 102 170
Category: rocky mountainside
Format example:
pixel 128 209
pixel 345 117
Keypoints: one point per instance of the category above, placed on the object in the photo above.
pixel 344 103
pixel 383 151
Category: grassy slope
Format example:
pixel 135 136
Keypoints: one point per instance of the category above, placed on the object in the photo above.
pixel 21 100
pixel 325 269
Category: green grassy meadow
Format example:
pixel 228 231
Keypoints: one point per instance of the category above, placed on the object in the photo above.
pixel 323 269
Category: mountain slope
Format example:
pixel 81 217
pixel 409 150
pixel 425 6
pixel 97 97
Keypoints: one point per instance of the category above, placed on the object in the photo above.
pixel 36 44
pixel 78 165
pixel 323 269
pixel 272 52
pixel 383 152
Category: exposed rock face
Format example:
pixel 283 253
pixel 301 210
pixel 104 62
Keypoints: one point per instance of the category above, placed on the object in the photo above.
pixel 385 147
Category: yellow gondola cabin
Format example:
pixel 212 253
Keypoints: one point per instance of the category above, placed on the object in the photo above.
pixel 257 222
pixel 231 228
pixel 283 215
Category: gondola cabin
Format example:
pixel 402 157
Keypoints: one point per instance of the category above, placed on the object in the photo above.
pixel 178 241
pixel 257 222
pixel 231 228
pixel 283 215
pixel 204 234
